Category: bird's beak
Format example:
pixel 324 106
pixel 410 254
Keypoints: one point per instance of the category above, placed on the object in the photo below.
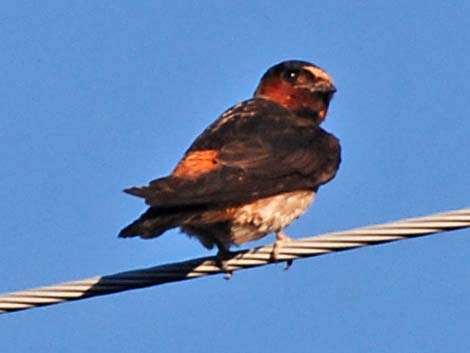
pixel 324 87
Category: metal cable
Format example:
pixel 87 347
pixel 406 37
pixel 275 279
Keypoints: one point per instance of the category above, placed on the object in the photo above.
pixel 290 250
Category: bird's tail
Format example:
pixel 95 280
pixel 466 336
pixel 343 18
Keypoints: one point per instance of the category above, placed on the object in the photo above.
pixel 155 221
pixel 140 228
pixel 151 224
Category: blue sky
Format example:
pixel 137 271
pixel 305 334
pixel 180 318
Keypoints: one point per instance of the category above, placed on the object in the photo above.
pixel 99 97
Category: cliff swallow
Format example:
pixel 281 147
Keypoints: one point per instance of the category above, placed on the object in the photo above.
pixel 255 170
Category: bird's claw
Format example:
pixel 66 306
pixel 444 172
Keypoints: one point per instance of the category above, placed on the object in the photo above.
pixel 222 256
pixel 288 264
pixel 281 237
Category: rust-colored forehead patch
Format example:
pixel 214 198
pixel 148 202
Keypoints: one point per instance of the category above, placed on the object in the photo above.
pixel 196 163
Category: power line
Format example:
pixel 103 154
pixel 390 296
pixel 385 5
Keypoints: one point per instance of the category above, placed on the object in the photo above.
pixel 291 250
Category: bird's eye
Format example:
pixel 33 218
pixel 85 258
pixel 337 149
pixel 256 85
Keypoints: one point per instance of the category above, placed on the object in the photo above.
pixel 292 76
pixel 299 77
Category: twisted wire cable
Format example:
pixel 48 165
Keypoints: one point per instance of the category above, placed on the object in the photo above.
pixel 290 250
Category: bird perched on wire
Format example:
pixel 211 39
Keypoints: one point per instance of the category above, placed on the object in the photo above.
pixel 254 170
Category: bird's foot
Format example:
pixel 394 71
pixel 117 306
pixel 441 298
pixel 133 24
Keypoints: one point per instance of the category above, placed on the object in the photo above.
pixel 222 256
pixel 281 238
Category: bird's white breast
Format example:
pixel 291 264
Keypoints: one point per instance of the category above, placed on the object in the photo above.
pixel 270 214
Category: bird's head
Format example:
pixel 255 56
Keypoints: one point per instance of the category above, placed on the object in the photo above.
pixel 299 86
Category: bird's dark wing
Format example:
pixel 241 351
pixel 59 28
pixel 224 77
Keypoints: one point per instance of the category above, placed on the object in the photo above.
pixel 257 149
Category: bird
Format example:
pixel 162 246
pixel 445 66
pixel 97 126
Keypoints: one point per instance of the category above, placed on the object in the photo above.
pixel 254 170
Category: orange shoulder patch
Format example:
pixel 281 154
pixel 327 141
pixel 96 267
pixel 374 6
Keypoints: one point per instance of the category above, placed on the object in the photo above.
pixel 196 163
